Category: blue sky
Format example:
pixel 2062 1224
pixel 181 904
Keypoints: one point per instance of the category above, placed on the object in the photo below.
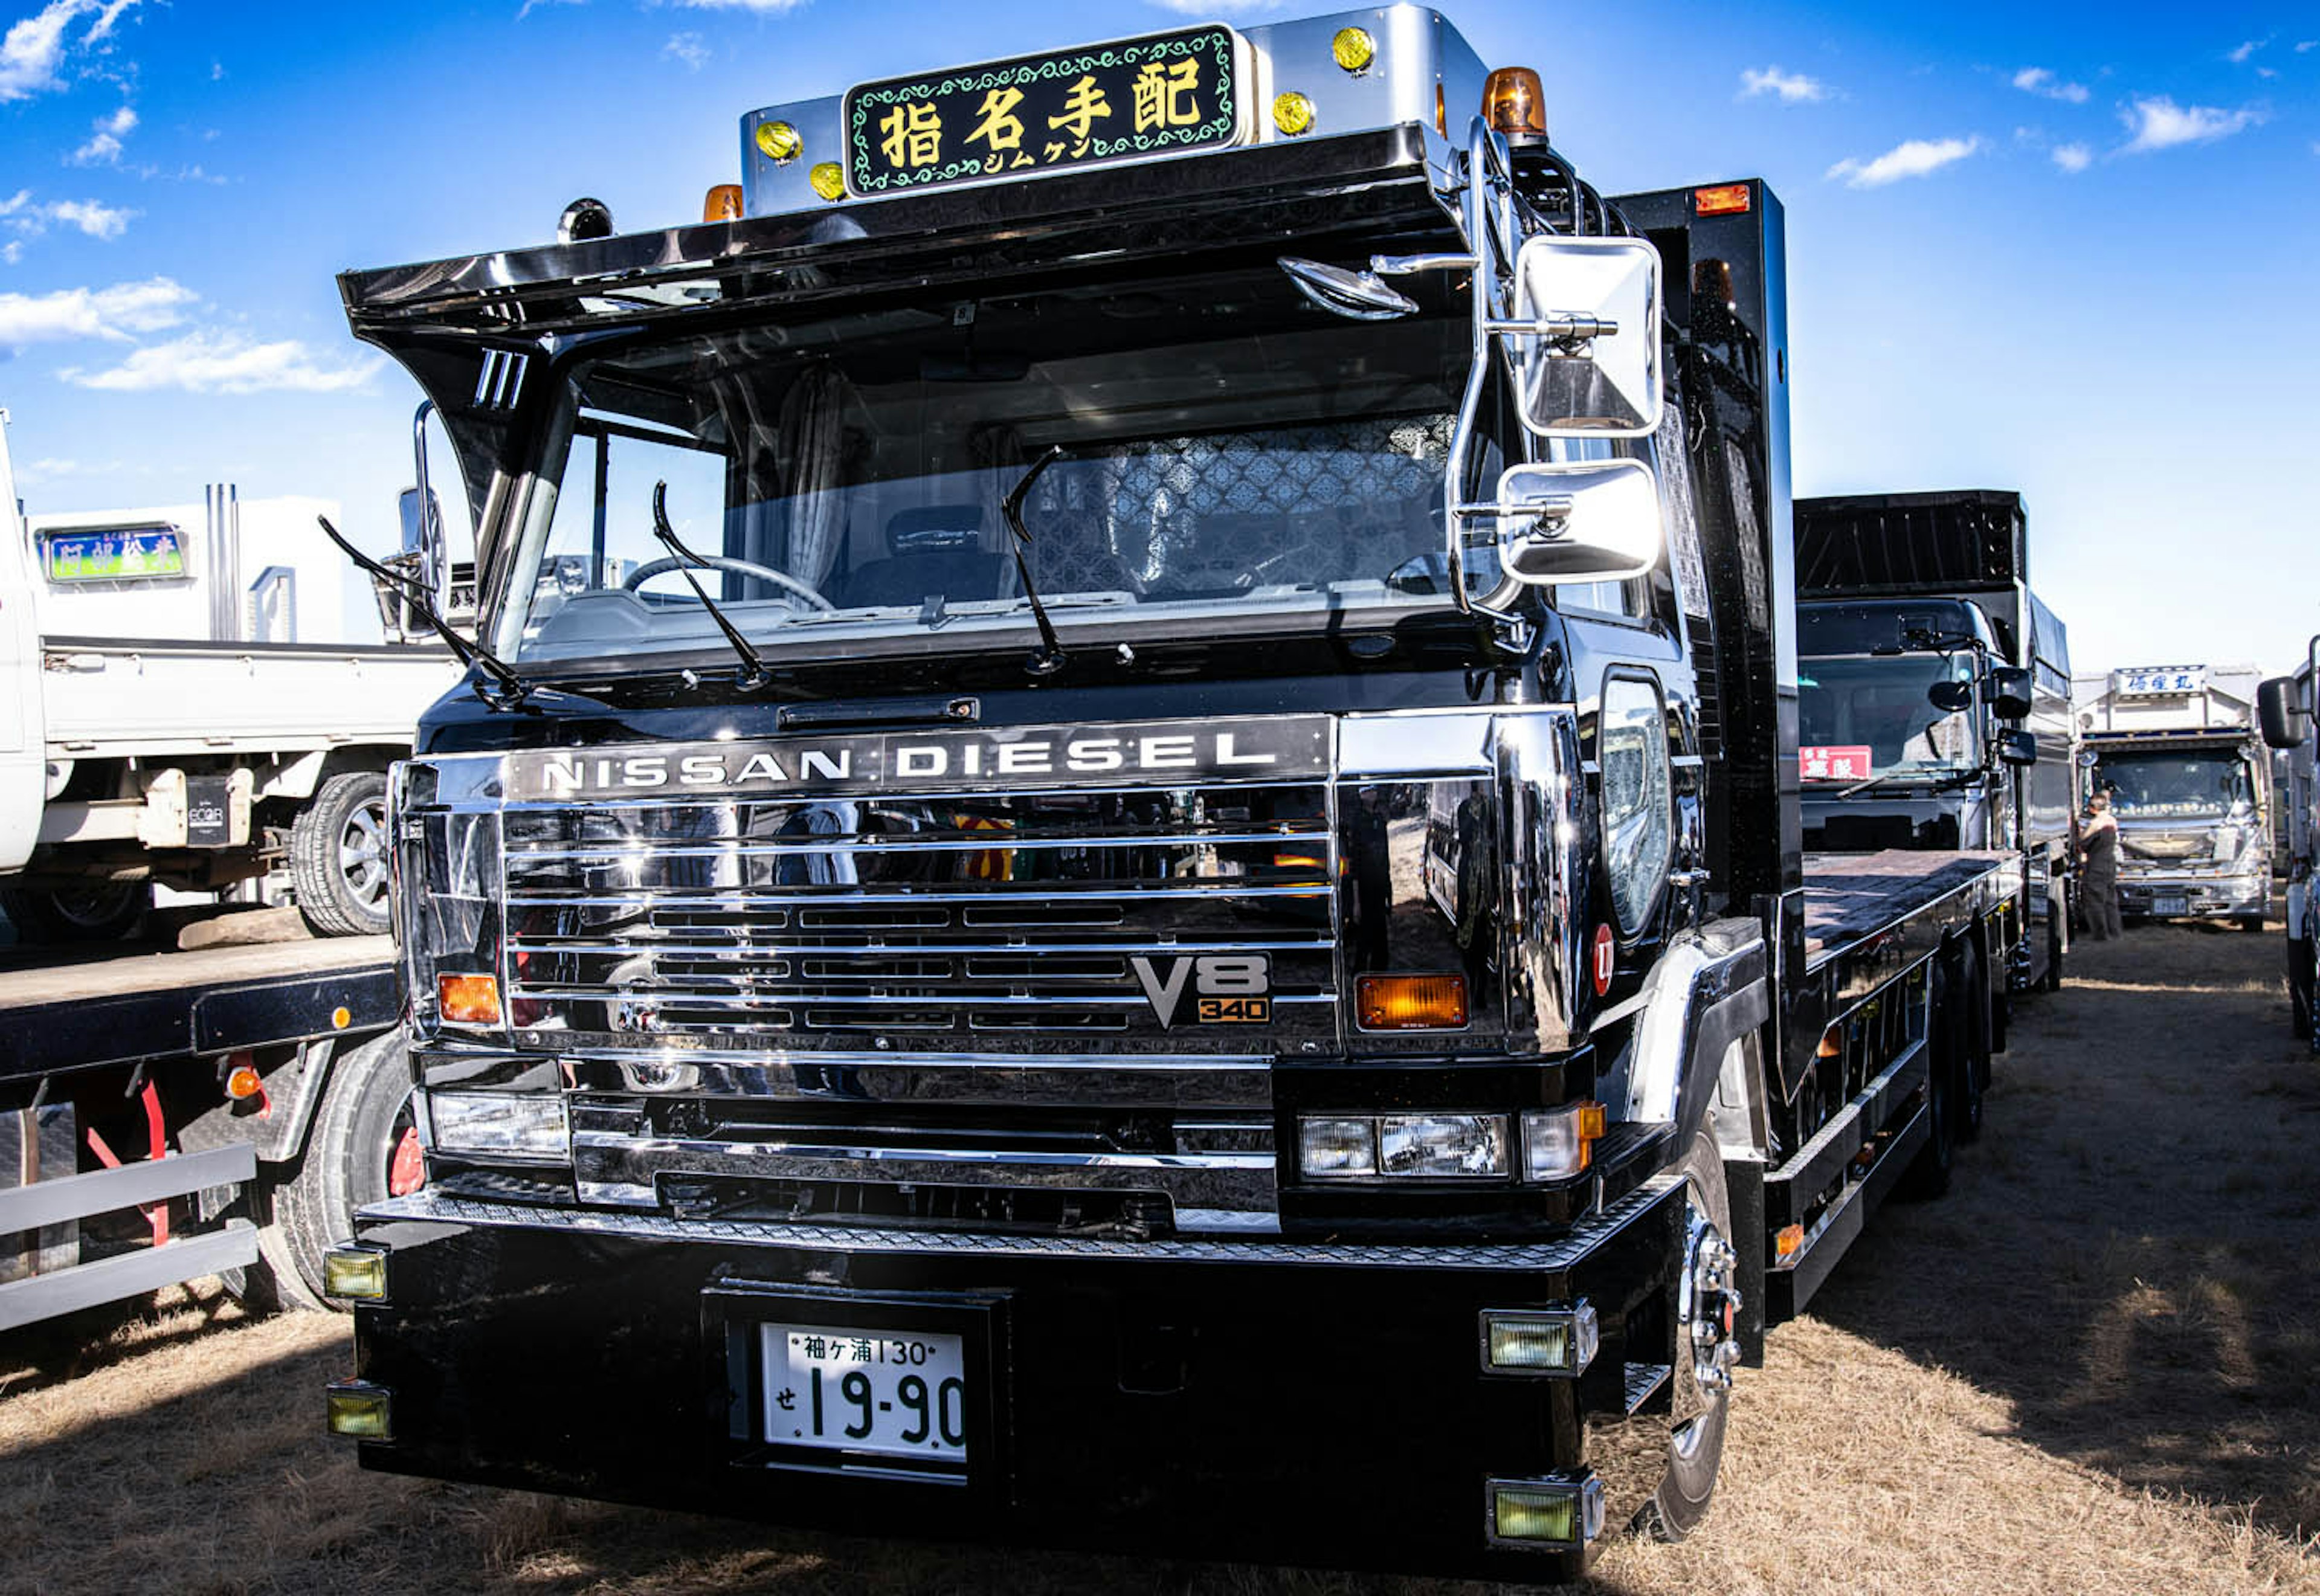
pixel 2066 248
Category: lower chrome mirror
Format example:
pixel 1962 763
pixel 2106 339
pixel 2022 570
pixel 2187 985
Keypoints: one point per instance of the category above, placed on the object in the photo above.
pixel 1598 521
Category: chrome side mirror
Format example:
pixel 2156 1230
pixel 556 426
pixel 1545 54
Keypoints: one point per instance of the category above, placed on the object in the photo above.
pixel 422 520
pixel 1585 337
pixel 1593 521
pixel 2284 721
pixel 1360 295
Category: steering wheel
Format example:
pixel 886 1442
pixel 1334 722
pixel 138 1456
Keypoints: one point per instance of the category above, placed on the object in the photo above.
pixel 720 562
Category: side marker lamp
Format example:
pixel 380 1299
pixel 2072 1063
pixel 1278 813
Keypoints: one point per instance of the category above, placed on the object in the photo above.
pixel 1560 1143
pixel 1788 1242
pixel 1514 102
pixel 1410 1003
pixel 469 998
pixel 1723 199
pixel 1559 1512
pixel 354 1272
pixel 243 1082
pixel 1547 1341
pixel 360 1410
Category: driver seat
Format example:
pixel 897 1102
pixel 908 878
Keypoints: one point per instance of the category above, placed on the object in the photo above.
pixel 935 550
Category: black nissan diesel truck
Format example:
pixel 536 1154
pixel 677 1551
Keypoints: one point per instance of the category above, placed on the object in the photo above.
pixel 1121 866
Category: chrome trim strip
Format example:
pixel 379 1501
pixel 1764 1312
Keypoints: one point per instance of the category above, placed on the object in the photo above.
pixel 431 1206
pixel 629 848
pixel 1102 893
pixel 756 1155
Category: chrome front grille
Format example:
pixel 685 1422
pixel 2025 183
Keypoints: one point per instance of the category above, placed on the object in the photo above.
pixel 958 921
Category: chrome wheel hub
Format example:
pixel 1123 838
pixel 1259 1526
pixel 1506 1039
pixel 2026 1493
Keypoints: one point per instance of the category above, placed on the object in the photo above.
pixel 362 856
pixel 1707 1304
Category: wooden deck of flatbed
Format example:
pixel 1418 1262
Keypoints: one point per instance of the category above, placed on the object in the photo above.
pixel 1851 897
pixel 66 1009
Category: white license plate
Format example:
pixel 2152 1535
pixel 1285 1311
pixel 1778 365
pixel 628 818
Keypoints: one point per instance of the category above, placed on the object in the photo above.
pixel 2165 908
pixel 900 1393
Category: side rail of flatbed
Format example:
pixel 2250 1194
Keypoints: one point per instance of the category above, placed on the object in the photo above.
pixel 1900 948
pixel 147 1039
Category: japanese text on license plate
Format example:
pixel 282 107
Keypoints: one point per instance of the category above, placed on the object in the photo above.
pixel 900 1393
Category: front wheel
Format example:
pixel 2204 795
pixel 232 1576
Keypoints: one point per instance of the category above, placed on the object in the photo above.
pixel 1707 1346
pixel 364 1148
pixel 339 856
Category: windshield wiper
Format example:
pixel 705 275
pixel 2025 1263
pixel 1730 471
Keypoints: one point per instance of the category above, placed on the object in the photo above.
pixel 1048 658
pixel 754 673
pixel 470 655
pixel 1933 779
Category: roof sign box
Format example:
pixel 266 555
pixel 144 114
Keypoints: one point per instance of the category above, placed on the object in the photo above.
pixel 2158 681
pixel 1165 93
pixel 113 554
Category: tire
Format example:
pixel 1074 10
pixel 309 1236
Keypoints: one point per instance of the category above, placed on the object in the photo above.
pixel 1928 1174
pixel 2300 985
pixel 339 856
pixel 2057 946
pixel 100 912
pixel 2250 922
pixel 360 1151
pixel 1696 1448
pixel 1974 1046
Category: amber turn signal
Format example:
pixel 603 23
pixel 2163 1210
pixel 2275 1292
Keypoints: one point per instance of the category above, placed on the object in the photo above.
pixel 1410 1003
pixel 470 1000
pixel 1725 199
pixel 1790 1241
pixel 723 204
pixel 1514 101
pixel 243 1082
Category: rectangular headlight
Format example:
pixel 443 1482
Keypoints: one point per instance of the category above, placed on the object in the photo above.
pixel 521 1124
pixel 1339 1146
pixel 1452 1145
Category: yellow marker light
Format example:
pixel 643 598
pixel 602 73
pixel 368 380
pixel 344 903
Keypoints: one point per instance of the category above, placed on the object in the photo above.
pixel 360 1410
pixel 1550 1341
pixel 243 1082
pixel 1292 113
pixel 1514 101
pixel 1410 1003
pixel 341 1017
pixel 470 1000
pixel 1790 1242
pixel 1723 199
pixel 1353 49
pixel 829 180
pixel 723 204
pixel 354 1272
pixel 780 141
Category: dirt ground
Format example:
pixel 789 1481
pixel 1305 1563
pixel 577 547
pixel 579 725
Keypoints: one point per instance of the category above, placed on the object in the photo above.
pixel 2094 1366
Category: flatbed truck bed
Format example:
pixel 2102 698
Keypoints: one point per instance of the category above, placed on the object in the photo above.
pixel 1852 898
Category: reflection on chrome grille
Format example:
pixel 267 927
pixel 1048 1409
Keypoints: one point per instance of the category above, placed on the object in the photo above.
pixel 939 921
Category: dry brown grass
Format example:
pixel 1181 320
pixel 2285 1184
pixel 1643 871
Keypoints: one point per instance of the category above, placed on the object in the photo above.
pixel 2095 1366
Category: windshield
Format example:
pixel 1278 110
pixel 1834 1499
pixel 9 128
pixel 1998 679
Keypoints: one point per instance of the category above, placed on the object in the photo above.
pixel 2154 784
pixel 1226 446
pixel 1860 717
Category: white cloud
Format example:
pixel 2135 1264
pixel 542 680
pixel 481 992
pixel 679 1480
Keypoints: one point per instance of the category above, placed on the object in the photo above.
pixel 532 5
pixel 687 47
pixel 773 7
pixel 12 252
pixel 224 361
pixel 34 47
pixel 2039 81
pixel 2238 55
pixel 93 217
pixel 2308 44
pixel 1792 87
pixel 1912 157
pixel 2158 122
pixel 114 313
pixel 2074 159
pixel 103 147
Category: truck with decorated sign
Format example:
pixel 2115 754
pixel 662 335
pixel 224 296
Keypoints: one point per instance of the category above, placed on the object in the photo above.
pixel 2178 750
pixel 178 712
pixel 1121 865
pixel 2288 712
pixel 1935 698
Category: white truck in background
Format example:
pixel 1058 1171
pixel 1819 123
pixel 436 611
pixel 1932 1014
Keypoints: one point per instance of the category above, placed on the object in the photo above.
pixel 164 722
pixel 2176 746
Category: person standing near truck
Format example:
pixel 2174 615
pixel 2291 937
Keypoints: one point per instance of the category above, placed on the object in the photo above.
pixel 2098 848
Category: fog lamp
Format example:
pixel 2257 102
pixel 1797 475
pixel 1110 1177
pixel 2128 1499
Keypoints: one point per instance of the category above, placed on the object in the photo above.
pixel 1560 1143
pixel 526 1124
pixel 1450 1145
pixel 780 141
pixel 359 1410
pixel 829 180
pixel 1292 113
pixel 352 1271
pixel 1410 1003
pixel 1547 1341
pixel 1353 49
pixel 1548 1513
pixel 1336 1146
pixel 469 998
